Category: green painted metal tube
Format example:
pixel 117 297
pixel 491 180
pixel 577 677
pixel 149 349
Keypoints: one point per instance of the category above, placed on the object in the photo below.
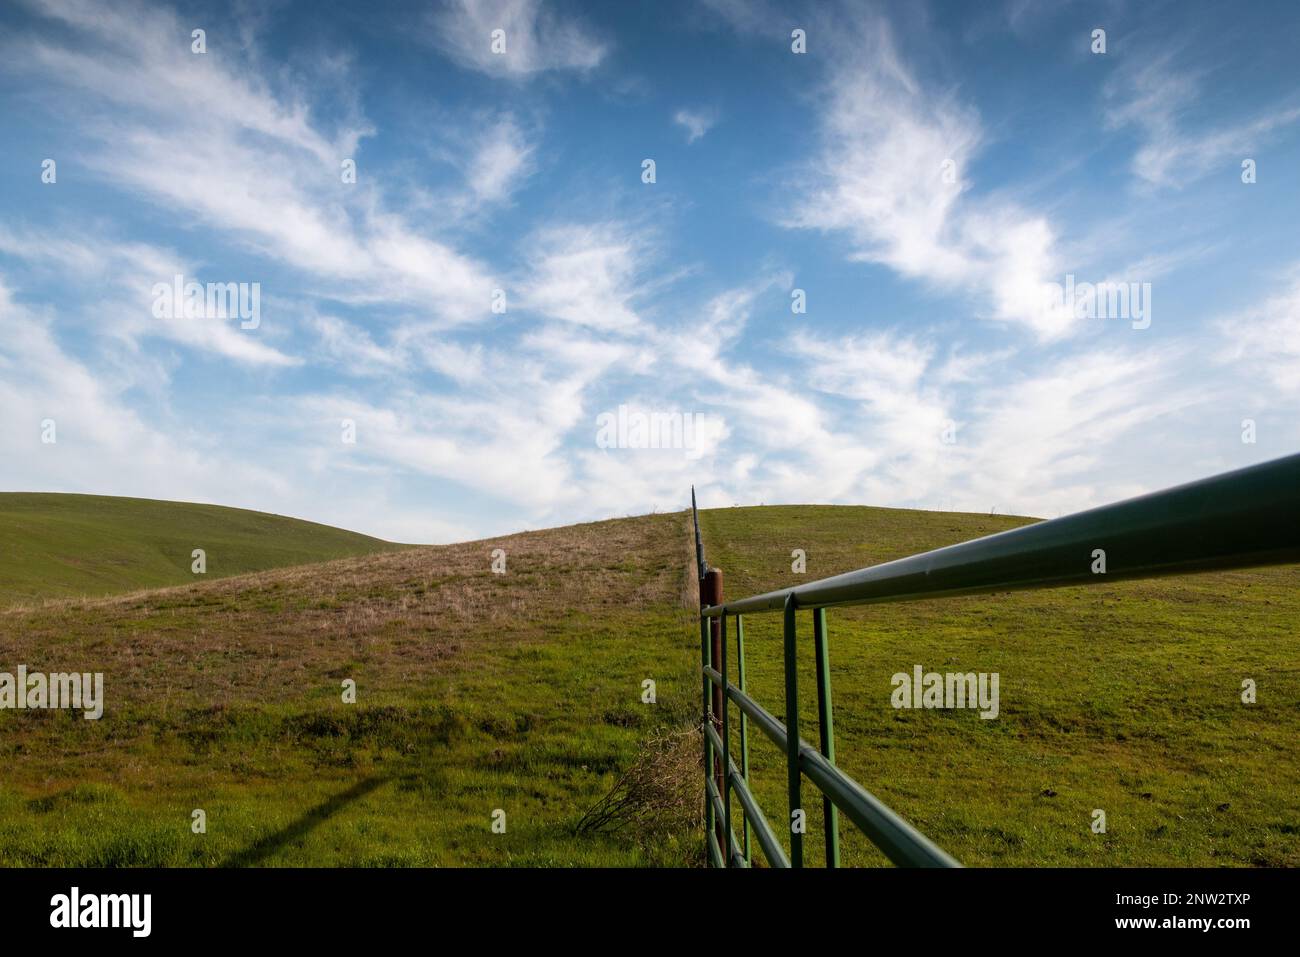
pixel 767 838
pixel 744 725
pixel 826 731
pixel 717 801
pixel 900 841
pixel 767 723
pixel 1234 520
pixel 726 746
pixel 716 741
pixel 715 853
pixel 708 750
pixel 793 777
pixel 714 798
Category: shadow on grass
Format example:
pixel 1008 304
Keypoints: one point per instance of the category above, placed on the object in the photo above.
pixel 266 846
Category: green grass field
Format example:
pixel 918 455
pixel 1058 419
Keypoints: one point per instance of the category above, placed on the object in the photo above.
pixel 57 546
pixel 474 692
pixel 1123 697
pixel 523 692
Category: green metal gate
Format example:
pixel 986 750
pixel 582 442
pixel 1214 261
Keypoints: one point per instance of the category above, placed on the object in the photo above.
pixel 1240 519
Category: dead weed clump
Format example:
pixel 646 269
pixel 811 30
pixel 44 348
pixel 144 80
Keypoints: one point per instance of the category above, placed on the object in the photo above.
pixel 660 792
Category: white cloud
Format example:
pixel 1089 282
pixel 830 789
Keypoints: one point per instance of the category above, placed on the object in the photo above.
pixel 253 166
pixel 141 59
pixel 352 349
pixel 502 160
pixel 503 441
pixel 102 446
pixel 750 16
pixel 888 147
pixel 1041 438
pixel 1263 342
pixel 584 274
pixel 536 39
pixel 124 275
pixel 695 122
pixel 1154 96
pixel 1048 441
pixel 502 409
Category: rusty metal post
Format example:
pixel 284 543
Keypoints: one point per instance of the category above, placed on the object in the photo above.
pixel 711 594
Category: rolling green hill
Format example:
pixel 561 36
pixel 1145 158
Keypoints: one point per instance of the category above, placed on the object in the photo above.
pixel 475 692
pixel 59 546
pixel 523 693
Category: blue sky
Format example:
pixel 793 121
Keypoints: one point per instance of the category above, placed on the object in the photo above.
pixel 927 371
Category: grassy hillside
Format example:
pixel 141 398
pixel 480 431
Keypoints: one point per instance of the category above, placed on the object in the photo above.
pixel 54 546
pixel 475 692
pixel 523 692
pixel 1123 697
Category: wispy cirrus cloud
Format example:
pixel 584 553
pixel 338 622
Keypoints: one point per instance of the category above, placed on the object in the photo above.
pixel 256 167
pixel 892 175
pixel 1155 96
pixel 1262 340
pixel 748 16
pixel 122 277
pixel 501 161
pixel 696 122
pixel 99 442
pixel 947 438
pixel 533 38
pixel 585 274
pixel 672 297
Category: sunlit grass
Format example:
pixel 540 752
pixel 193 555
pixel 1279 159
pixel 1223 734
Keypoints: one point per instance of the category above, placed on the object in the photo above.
pixel 522 692
pixel 475 692
pixel 1124 698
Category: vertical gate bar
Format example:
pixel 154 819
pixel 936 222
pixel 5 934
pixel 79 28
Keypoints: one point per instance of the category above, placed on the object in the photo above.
pixel 726 747
pixel 711 594
pixel 708 745
pixel 744 724
pixel 792 734
pixel 825 724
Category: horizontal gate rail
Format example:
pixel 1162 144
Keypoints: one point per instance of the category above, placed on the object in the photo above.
pixel 901 842
pixel 1236 520
pixel 1240 519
